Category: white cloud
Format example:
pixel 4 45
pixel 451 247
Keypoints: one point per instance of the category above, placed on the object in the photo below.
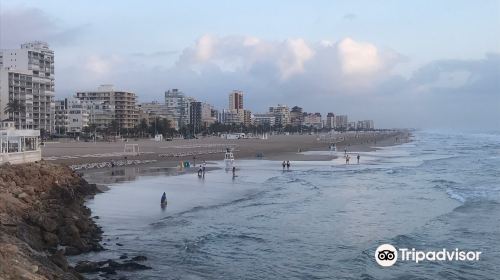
pixel 358 58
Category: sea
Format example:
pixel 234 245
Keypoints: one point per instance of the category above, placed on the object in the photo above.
pixel 318 220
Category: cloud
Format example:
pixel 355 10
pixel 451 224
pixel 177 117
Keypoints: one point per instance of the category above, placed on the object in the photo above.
pixel 347 76
pixel 19 25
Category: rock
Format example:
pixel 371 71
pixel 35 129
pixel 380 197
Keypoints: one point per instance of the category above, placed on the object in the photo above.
pixel 51 239
pixel 59 259
pixel 71 251
pixel 139 258
pixel 87 267
pixel 130 265
pixel 48 224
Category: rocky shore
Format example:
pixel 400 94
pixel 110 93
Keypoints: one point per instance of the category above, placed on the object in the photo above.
pixel 42 219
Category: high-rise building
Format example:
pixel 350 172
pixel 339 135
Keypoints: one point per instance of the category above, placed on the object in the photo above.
pixel 195 116
pixel 296 116
pixel 124 103
pixel 365 125
pixel 330 121
pixel 177 107
pixel 236 100
pixel 340 122
pixel 282 114
pixel 27 84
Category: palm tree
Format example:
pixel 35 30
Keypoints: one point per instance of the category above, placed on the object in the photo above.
pixel 15 106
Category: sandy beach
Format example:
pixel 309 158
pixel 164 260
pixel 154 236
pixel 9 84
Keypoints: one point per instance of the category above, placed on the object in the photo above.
pixel 170 153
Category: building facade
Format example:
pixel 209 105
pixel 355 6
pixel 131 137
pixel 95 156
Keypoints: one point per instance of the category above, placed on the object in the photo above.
pixel 313 120
pixel 330 121
pixel 236 100
pixel 341 122
pixel 282 115
pixel 296 116
pixel 264 119
pixel 177 105
pixel 123 103
pixel 27 80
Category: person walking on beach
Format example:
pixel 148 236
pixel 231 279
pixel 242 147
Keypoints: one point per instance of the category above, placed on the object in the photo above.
pixel 358 158
pixel 287 165
pixel 345 151
pixel 347 159
pixel 234 171
pixel 284 165
pixel 204 166
pixel 200 171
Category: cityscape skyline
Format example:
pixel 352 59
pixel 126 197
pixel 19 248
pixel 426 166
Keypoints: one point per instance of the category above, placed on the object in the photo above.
pixel 405 75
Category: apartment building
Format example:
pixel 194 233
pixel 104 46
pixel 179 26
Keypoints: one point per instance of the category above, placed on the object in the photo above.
pixel 27 86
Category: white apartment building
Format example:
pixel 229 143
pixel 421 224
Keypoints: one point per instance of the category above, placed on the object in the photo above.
pixel 123 104
pixel 72 116
pixel 264 119
pixel 27 78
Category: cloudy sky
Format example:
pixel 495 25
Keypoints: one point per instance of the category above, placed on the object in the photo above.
pixel 423 64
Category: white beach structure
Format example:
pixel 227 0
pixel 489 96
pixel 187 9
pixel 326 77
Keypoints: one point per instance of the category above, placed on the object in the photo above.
pixel 19 145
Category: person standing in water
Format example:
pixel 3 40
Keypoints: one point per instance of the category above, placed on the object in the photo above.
pixel 284 165
pixel 164 198
pixel 287 165
pixel 234 171
pixel 358 158
pixel 347 159
pixel 204 166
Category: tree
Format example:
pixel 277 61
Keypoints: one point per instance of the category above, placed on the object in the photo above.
pixel 143 127
pixel 15 106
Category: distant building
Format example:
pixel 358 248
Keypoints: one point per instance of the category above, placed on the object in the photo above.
pixel 123 102
pixel 351 125
pixel 195 117
pixel 282 114
pixel 264 119
pixel 340 122
pixel 71 116
pixel 296 116
pixel 236 100
pixel 177 104
pixel 150 111
pixel 365 125
pixel 330 121
pixel 313 120
pixel 230 116
pixel 27 76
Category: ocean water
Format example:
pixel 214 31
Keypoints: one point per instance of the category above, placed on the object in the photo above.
pixel 320 220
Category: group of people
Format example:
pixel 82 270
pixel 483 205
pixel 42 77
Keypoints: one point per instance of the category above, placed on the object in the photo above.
pixel 348 158
pixel 286 164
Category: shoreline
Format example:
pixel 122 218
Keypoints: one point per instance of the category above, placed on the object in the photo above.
pixel 86 155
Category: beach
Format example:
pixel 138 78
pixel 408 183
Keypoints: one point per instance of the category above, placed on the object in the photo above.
pixel 170 153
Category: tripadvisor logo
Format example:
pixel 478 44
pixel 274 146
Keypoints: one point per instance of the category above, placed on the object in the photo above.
pixel 387 255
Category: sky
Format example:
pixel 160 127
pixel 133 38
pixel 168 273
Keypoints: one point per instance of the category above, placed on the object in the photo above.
pixel 420 64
